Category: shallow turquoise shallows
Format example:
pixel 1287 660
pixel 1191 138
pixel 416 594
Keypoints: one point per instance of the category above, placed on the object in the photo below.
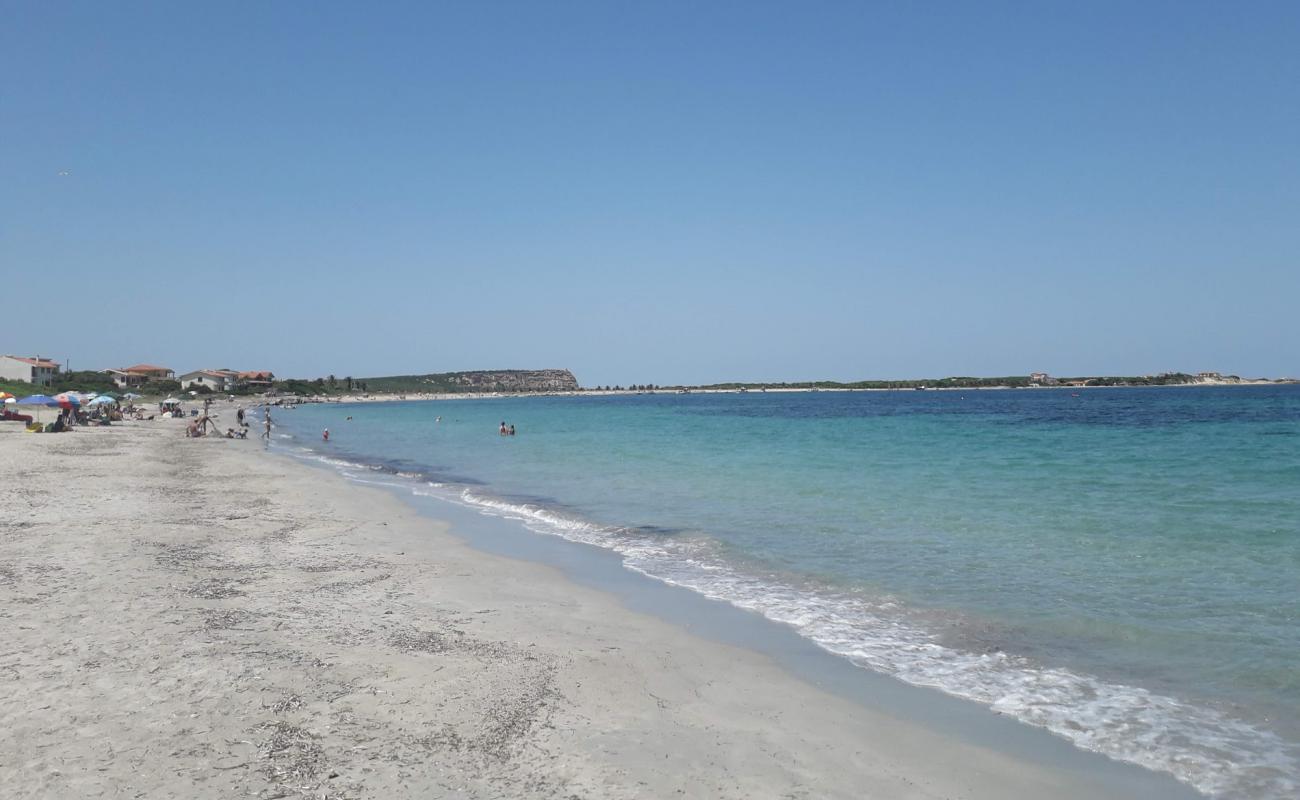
pixel 1121 567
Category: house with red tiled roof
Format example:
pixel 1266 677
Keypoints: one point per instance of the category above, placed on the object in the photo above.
pixel 257 377
pixel 37 370
pixel 139 375
pixel 150 371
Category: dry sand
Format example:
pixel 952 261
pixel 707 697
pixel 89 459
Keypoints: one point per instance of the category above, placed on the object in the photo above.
pixel 200 619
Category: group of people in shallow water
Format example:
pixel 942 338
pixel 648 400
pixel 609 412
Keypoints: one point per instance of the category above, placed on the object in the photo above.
pixel 504 430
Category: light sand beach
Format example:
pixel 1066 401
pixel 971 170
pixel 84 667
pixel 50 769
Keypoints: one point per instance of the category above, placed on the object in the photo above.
pixel 197 618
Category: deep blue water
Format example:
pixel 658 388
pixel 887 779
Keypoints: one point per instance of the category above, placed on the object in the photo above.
pixel 1121 567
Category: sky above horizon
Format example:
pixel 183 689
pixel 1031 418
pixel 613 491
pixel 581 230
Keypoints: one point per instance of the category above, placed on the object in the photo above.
pixel 663 193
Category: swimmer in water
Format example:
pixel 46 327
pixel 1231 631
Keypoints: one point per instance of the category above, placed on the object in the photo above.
pixel 326 435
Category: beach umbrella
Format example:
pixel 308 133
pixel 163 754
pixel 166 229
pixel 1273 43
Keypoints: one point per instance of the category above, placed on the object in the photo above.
pixel 40 401
pixel 5 395
pixel 68 397
pixel 101 400
pixel 130 396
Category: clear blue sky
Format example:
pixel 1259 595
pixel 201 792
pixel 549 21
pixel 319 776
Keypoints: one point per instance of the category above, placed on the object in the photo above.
pixel 656 193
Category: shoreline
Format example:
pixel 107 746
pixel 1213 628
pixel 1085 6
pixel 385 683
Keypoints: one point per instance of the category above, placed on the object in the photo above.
pixel 391 397
pixel 267 627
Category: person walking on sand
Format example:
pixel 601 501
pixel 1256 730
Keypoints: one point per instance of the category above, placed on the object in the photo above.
pixel 266 424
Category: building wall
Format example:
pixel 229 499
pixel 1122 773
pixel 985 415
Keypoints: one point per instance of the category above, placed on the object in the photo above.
pixel 213 383
pixel 126 381
pixel 15 370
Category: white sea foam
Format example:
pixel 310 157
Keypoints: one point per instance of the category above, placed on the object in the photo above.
pixel 1209 750
pixel 1202 747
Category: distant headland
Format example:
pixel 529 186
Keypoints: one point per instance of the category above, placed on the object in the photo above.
pixel 161 381
pixel 562 381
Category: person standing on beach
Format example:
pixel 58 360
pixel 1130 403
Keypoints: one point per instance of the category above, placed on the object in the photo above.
pixel 266 423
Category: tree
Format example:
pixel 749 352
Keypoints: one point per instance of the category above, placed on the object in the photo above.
pixel 349 380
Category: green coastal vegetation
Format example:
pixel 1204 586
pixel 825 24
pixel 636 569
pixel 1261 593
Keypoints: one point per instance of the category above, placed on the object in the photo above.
pixel 969 382
pixel 518 381
pixel 507 381
pixel 63 382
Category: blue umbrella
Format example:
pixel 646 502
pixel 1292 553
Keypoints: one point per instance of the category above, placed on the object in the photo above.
pixel 103 398
pixel 39 400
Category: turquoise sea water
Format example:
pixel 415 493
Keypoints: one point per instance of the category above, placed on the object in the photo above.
pixel 1121 567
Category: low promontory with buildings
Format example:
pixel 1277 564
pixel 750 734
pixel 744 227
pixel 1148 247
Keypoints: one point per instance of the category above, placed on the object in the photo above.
pixel 30 374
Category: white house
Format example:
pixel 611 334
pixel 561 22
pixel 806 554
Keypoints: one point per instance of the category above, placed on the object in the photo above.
pixel 36 370
pixel 218 380
pixel 139 375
